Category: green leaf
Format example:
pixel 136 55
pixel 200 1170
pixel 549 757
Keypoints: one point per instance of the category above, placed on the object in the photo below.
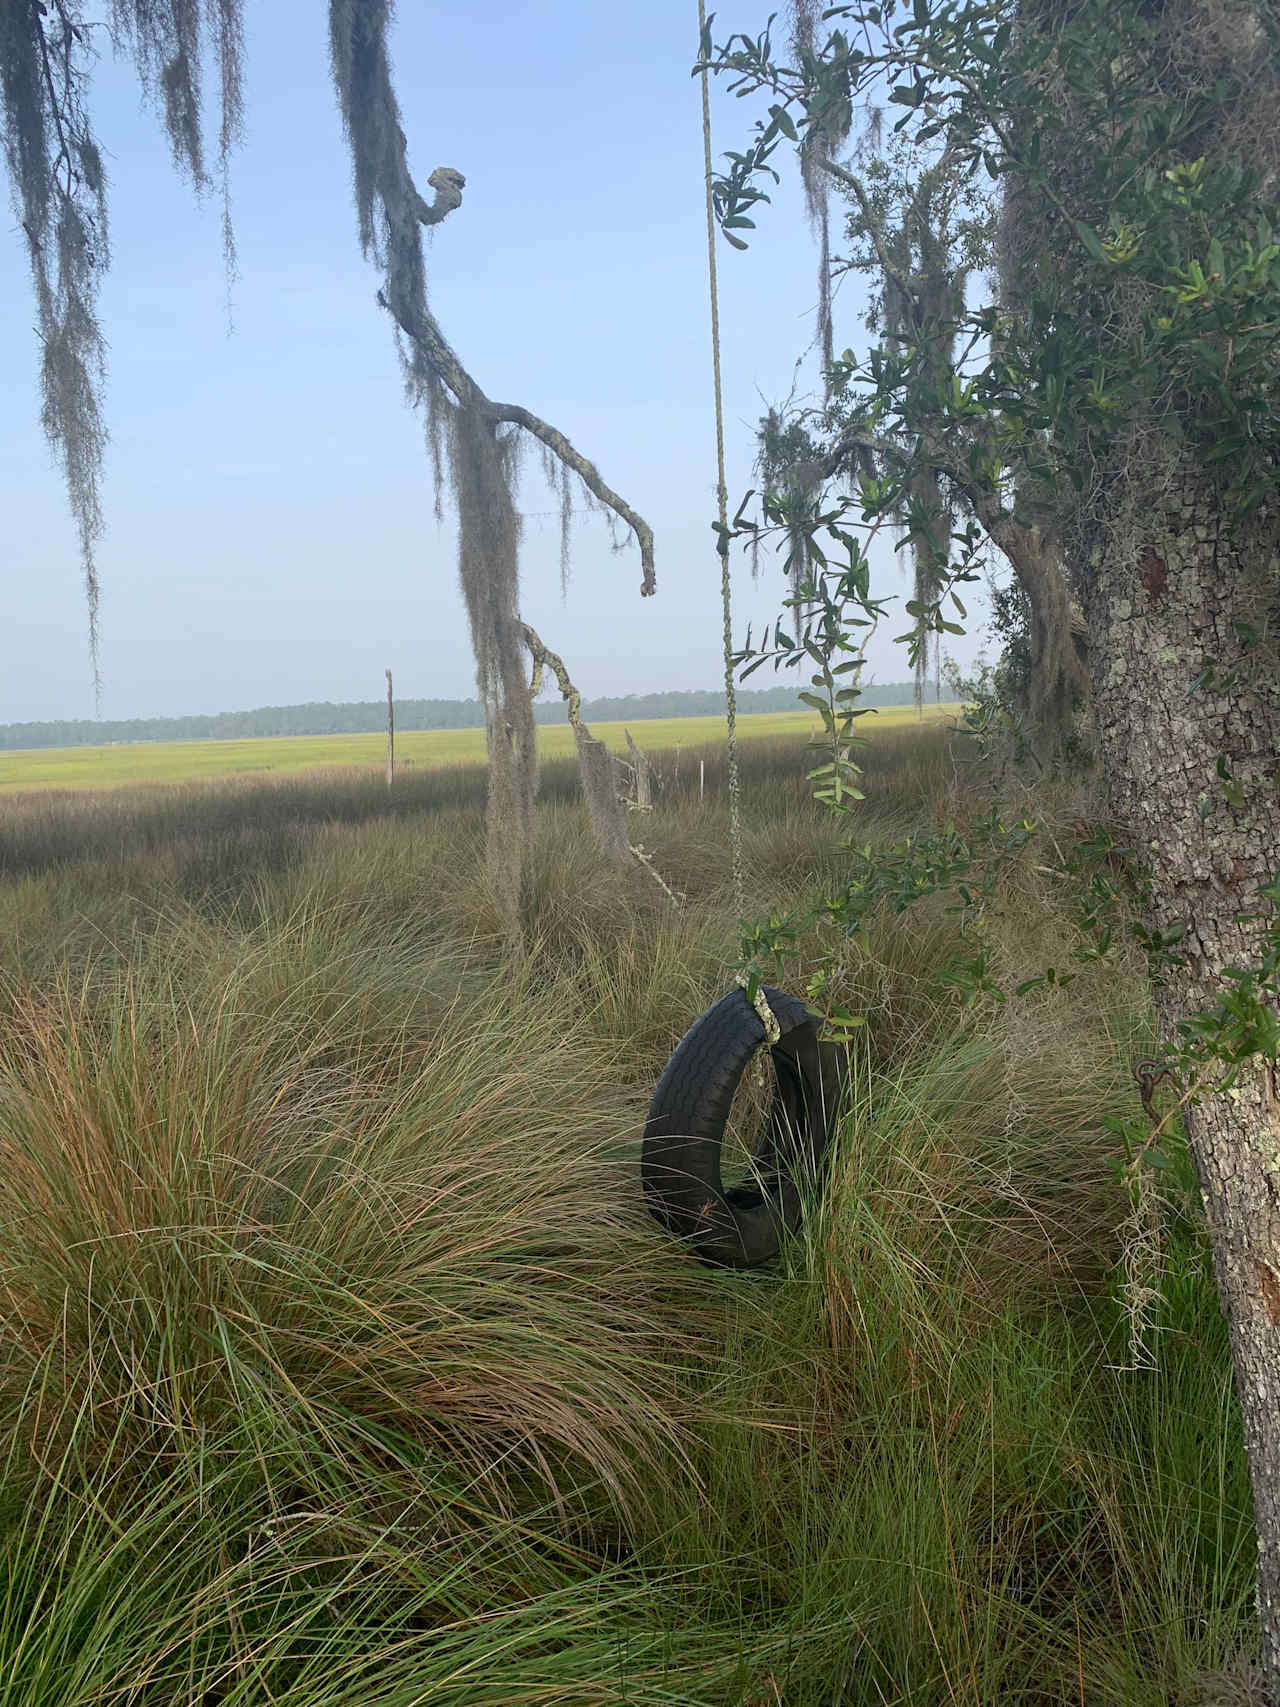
pixel 782 118
pixel 847 1018
pixel 1092 242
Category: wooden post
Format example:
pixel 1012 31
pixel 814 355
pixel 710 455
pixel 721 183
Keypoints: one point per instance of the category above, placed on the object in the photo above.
pixel 391 735
pixel 640 765
pixel 702 777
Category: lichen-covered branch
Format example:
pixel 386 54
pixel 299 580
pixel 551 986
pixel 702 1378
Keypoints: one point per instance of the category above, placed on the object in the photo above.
pixel 640 772
pixel 391 213
pixel 420 326
pixel 599 777
pixel 589 475
pixel 482 436
pixel 598 770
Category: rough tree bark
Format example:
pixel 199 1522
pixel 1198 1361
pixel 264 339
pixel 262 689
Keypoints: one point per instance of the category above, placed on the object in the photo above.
pixel 1173 573
pixel 1169 583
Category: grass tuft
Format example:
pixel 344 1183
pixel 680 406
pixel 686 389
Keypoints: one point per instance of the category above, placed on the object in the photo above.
pixel 339 1363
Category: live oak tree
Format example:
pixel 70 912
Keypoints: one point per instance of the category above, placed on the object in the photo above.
pixel 918 231
pixel 1118 407
pixel 928 238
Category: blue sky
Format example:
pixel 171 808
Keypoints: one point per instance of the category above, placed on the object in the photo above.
pixel 270 530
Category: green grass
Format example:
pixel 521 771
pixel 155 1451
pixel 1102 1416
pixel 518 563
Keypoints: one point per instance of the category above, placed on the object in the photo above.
pixel 188 761
pixel 340 1365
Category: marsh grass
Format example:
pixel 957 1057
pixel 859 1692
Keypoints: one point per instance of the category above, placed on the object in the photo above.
pixel 340 1364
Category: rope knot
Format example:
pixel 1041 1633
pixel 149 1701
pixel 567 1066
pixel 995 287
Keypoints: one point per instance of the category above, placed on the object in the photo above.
pixel 764 1013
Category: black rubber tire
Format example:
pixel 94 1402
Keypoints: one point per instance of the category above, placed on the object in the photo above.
pixel 742 1225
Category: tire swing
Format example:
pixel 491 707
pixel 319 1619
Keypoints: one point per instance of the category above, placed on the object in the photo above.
pixel 680 1163
pixel 741 1225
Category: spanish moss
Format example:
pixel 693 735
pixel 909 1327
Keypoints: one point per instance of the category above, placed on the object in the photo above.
pixel 789 466
pixel 821 140
pixel 481 468
pixel 59 192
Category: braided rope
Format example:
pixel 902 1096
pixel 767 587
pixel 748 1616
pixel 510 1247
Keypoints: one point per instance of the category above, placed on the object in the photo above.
pixel 722 497
pixel 764 1013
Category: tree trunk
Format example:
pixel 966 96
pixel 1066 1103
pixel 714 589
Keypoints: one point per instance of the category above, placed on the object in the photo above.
pixel 1169 587
pixel 596 764
pixel 1058 697
pixel 488 568
pixel 642 789
pixel 1059 685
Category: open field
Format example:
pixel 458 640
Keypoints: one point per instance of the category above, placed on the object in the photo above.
pixel 340 1365
pixel 187 761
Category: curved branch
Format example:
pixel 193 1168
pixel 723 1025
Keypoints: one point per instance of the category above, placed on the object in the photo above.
pixel 421 328
pixel 589 475
pixel 448 183
pixel 1013 537
pixel 598 770
pixel 545 658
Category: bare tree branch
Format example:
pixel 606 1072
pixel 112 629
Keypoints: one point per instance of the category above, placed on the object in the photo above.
pixel 448 183
pixel 595 763
pixel 590 478
pixel 420 326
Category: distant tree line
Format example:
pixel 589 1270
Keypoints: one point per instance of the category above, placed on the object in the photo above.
pixel 367 717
